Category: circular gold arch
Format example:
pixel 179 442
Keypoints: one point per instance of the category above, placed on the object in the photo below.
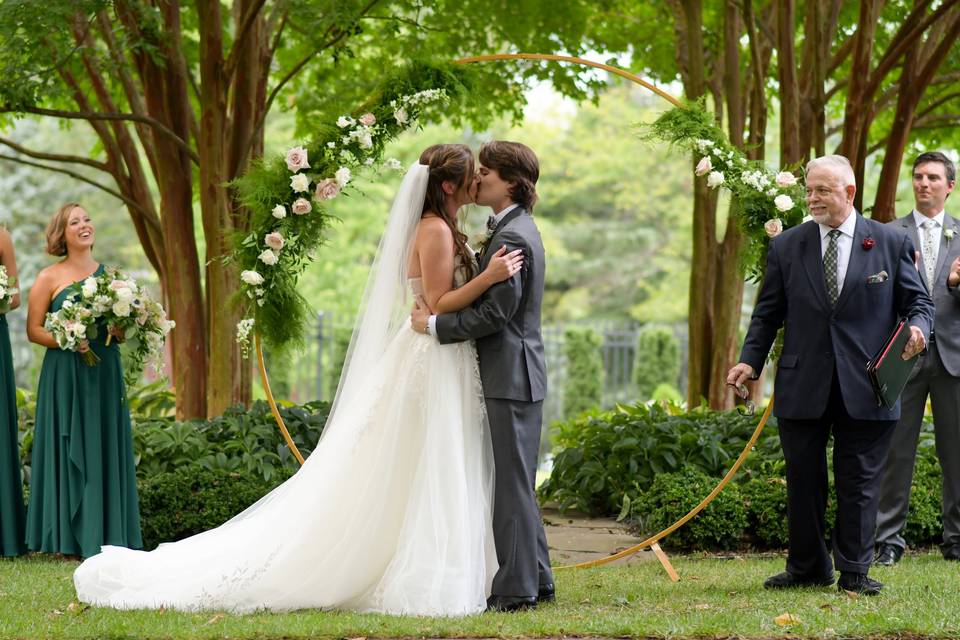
pixel 654 539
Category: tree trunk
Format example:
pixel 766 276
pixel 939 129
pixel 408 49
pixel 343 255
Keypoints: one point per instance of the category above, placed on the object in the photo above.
pixel 789 90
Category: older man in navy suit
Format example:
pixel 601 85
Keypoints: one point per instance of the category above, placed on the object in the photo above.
pixel 837 285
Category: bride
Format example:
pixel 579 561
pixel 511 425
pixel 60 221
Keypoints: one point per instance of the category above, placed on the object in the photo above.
pixel 392 511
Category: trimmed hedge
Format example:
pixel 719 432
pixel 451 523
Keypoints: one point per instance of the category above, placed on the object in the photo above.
pixel 583 386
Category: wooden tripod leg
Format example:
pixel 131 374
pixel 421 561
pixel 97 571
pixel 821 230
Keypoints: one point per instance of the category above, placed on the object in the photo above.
pixel 665 561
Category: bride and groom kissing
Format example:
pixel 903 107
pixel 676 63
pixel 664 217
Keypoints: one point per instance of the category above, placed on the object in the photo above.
pixel 419 498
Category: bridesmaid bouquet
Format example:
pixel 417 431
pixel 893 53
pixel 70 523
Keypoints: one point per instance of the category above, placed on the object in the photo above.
pixel 128 311
pixel 72 324
pixel 8 289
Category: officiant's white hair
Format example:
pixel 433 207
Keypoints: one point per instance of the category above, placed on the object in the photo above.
pixel 837 165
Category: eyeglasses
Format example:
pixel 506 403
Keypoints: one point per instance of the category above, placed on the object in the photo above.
pixel 748 408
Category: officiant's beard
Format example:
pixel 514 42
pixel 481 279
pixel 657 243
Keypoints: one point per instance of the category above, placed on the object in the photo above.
pixel 821 219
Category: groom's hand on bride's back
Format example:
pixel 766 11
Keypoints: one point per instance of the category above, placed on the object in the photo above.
pixel 419 315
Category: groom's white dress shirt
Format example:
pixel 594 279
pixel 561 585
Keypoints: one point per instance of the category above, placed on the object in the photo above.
pixel 432 321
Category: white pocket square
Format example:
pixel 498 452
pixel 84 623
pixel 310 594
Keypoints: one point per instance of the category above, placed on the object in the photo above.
pixel 877 277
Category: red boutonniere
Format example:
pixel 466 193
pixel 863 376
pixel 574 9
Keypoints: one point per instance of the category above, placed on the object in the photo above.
pixel 868 243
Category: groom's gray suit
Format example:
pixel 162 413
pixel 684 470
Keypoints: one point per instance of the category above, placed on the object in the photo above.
pixel 937 374
pixel 505 322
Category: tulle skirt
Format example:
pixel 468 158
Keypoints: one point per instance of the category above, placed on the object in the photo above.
pixel 391 513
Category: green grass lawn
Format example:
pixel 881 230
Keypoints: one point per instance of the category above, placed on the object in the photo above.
pixel 715 597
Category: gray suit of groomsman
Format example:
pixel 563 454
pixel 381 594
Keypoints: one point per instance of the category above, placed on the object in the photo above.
pixel 936 374
pixel 505 322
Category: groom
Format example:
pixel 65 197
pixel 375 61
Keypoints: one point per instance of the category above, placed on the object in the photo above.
pixel 505 322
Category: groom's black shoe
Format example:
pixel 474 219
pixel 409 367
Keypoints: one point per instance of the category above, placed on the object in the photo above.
pixel 511 603
pixel 787 580
pixel 546 593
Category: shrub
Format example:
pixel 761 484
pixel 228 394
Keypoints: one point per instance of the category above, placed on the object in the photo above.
pixel 241 439
pixel 657 360
pixel 583 387
pixel 765 499
pixel 189 500
pixel 924 520
pixel 672 495
pixel 619 452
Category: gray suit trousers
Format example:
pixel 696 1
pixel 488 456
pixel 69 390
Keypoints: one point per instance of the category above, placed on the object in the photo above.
pixel 928 378
pixel 517 525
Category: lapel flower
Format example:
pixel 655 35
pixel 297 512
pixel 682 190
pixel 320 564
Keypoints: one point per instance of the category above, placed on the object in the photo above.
pixel 868 243
pixel 949 233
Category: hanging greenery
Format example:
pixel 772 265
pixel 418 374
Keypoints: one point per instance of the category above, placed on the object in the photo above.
pixel 286 196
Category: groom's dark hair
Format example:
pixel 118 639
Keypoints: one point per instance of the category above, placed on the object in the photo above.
pixel 516 163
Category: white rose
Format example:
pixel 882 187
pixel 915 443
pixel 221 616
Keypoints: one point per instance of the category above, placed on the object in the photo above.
pixel 715 179
pixel 66 304
pixel 121 308
pixel 279 212
pixel 345 121
pixel 704 166
pixel 268 257
pixel 786 179
pixel 297 159
pixel 343 176
pixel 773 227
pixel 251 277
pixel 124 295
pixel 401 116
pixel 783 202
pixel 299 183
pixel 89 288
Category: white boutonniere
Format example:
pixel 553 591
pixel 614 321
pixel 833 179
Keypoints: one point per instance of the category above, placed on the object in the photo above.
pixel 949 233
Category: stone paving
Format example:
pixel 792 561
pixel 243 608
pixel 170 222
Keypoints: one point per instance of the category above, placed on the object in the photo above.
pixel 574 537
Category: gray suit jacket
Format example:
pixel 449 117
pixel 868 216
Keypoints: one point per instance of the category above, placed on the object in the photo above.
pixel 946 324
pixel 505 321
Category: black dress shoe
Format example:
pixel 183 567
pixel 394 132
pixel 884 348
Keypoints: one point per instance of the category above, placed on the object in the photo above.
pixel 951 553
pixel 511 603
pixel 787 580
pixel 546 593
pixel 859 583
pixel 888 555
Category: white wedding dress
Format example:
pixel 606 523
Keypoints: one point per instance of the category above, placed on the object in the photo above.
pixel 391 512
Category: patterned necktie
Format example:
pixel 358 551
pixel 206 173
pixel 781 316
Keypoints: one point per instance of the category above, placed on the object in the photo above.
pixel 830 267
pixel 929 252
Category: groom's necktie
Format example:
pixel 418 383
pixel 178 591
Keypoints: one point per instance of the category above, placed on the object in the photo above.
pixel 929 253
pixel 491 223
pixel 830 267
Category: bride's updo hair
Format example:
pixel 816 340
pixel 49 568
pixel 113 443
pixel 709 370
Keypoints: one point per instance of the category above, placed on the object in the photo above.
pixel 452 163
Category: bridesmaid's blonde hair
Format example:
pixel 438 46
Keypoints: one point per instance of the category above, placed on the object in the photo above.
pixel 56 230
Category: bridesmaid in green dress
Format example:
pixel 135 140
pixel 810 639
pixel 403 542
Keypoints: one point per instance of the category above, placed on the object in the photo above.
pixel 11 487
pixel 83 490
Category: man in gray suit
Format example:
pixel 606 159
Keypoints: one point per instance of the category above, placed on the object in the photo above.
pixel 937 373
pixel 505 323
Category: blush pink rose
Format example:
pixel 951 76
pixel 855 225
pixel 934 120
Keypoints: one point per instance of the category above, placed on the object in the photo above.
pixel 704 166
pixel 301 206
pixel 297 159
pixel 326 189
pixel 773 227
pixel 274 240
pixel 368 119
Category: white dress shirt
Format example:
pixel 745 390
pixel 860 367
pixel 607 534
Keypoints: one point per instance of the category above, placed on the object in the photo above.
pixel 844 245
pixel 432 320
pixel 937 230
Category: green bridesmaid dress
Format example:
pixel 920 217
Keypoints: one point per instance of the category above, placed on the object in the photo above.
pixel 11 487
pixel 83 485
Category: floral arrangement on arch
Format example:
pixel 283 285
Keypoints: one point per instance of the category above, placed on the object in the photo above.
pixel 287 197
pixel 767 202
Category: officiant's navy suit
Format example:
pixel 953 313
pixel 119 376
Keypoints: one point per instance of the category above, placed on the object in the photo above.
pixel 822 385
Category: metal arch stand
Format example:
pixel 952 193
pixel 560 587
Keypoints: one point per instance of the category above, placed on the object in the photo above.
pixel 652 541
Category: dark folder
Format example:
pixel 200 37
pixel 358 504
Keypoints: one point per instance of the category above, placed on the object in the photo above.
pixel 888 371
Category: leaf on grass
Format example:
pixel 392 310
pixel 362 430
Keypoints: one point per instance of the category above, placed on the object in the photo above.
pixel 701 607
pixel 77 608
pixel 851 594
pixel 621 600
pixel 786 619
pixel 828 607
pixel 217 618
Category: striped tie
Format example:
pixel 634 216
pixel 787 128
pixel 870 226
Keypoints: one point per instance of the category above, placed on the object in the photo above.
pixel 830 267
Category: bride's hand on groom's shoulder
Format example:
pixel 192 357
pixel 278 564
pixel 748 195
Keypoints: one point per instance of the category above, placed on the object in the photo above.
pixel 503 265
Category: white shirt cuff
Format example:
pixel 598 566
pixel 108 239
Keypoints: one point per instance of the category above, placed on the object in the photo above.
pixel 432 326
